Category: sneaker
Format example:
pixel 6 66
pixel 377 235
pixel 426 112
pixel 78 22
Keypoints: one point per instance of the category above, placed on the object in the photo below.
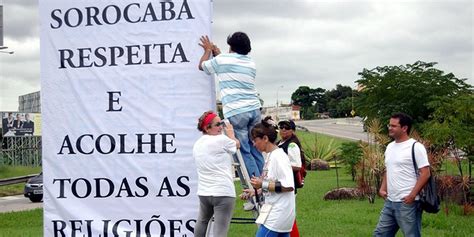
pixel 248 206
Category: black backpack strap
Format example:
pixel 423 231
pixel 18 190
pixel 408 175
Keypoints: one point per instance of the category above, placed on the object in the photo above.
pixel 413 158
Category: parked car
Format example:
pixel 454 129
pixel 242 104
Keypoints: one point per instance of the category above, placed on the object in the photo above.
pixel 34 188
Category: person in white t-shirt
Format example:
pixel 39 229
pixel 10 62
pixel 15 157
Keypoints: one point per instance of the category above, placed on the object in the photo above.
pixel 276 183
pixel 400 185
pixel 291 145
pixel 212 153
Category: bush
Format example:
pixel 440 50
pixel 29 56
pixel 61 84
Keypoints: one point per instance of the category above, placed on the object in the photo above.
pixel 351 153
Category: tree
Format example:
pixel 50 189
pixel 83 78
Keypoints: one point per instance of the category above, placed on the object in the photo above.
pixel 305 97
pixel 344 107
pixel 339 101
pixel 452 122
pixel 341 92
pixel 407 89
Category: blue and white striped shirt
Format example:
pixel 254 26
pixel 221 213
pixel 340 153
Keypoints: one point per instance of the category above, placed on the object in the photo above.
pixel 236 76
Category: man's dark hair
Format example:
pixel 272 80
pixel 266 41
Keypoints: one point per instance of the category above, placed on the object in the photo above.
pixel 404 120
pixel 239 42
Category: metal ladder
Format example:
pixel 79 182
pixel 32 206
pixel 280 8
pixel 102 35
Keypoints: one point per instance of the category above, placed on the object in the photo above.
pixel 239 165
pixel 244 178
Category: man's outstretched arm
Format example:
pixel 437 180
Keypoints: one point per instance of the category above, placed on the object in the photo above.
pixel 207 45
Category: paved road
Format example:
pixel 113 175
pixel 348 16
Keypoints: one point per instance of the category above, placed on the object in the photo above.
pixel 348 128
pixel 17 203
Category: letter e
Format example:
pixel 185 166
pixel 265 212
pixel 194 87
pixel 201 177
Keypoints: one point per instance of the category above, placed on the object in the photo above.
pixel 113 100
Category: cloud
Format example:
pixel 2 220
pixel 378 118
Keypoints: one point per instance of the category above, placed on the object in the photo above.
pixel 294 43
pixel 21 20
pixel 322 43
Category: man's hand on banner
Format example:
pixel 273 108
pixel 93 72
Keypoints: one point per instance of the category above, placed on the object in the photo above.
pixel 206 44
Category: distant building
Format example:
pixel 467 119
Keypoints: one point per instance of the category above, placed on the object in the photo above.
pixel 29 103
pixel 295 112
pixel 283 112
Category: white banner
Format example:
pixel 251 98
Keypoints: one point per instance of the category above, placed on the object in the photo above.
pixel 121 94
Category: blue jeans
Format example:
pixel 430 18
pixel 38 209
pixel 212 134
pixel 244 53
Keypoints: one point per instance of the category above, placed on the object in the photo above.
pixel 243 124
pixel 398 215
pixel 265 232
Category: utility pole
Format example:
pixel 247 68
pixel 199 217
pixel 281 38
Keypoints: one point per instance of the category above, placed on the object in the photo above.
pixel 277 109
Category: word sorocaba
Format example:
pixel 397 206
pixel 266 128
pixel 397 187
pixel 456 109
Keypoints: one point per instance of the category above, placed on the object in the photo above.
pixel 112 14
pixel 115 55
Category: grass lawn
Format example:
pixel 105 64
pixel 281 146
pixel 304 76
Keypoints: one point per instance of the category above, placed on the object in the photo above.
pixel 15 171
pixel 305 136
pixel 22 224
pixel 315 216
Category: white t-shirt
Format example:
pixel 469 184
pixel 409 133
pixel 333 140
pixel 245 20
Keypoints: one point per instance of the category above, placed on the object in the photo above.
pixel 212 155
pixel 294 154
pixel 401 176
pixel 282 215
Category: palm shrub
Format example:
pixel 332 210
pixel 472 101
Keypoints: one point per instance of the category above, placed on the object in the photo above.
pixel 371 166
pixel 351 153
pixel 316 149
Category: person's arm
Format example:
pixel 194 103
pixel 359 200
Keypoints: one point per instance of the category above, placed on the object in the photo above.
pixel 383 188
pixel 207 45
pixel 229 131
pixel 295 156
pixel 420 183
pixel 272 186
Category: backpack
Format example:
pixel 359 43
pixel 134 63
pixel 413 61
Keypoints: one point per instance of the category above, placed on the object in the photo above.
pixel 301 174
pixel 429 198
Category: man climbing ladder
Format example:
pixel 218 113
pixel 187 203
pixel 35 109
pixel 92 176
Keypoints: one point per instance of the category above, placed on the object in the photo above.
pixel 235 72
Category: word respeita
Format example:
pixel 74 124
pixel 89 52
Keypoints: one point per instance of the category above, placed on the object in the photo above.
pixel 112 14
pixel 127 55
pixel 105 144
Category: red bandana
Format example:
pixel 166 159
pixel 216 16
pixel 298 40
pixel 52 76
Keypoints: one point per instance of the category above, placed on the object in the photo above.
pixel 207 120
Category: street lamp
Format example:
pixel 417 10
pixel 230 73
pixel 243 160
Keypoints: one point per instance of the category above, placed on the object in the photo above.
pixel 277 118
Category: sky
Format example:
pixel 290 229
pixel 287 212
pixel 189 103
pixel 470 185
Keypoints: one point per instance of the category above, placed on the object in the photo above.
pixel 294 43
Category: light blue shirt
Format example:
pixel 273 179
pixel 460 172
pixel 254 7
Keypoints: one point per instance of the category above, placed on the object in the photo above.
pixel 236 76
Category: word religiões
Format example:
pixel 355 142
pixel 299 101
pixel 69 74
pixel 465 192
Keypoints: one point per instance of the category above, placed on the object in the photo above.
pixel 154 226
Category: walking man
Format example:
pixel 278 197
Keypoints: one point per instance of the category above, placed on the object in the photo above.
pixel 235 72
pixel 400 185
